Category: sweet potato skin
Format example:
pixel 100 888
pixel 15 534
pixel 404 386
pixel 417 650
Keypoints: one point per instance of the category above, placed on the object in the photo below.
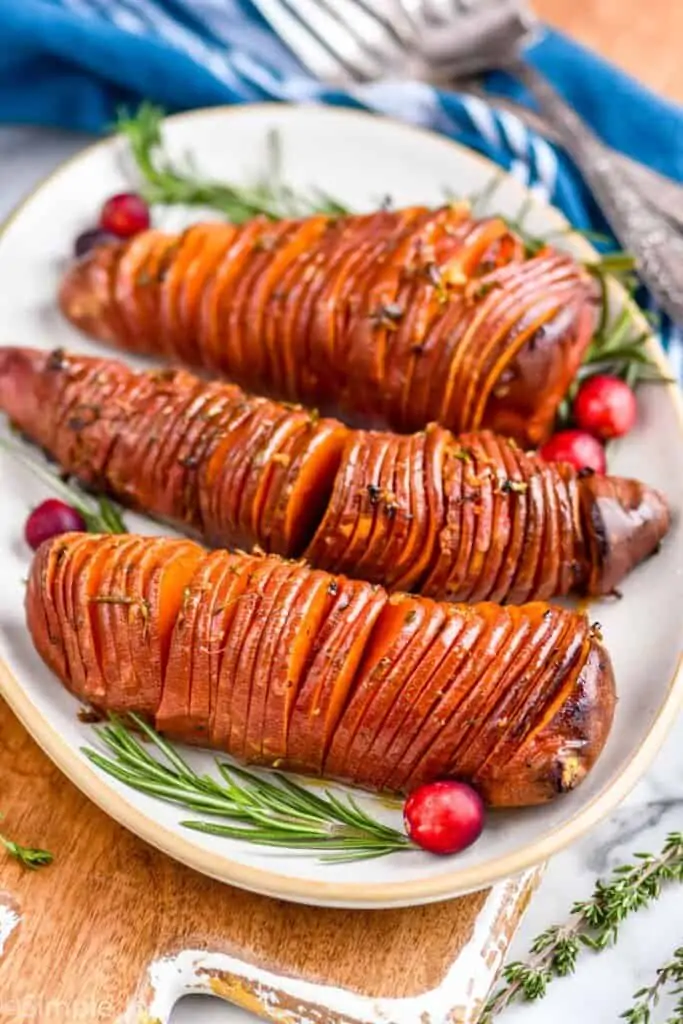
pixel 426 690
pixel 463 518
pixel 393 318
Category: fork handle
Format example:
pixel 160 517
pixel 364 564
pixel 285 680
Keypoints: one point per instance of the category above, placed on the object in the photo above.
pixel 665 194
pixel 656 245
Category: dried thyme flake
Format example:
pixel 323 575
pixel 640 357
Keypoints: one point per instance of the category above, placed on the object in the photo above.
pixel 513 487
pixel 463 454
pixel 387 315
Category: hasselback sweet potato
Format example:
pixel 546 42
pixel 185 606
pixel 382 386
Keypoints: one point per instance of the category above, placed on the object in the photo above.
pixel 392 319
pixel 279 664
pixel 466 518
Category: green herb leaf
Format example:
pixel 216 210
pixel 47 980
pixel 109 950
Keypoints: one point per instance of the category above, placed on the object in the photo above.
pixel 99 514
pixel 595 924
pixel 268 811
pixel 26 855
pixel 668 978
pixel 166 182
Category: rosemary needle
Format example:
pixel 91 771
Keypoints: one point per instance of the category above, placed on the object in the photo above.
pixel 28 856
pixel 99 514
pixel 274 812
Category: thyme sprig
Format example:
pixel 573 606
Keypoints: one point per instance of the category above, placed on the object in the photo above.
pixel 100 515
pixel 593 924
pixel 278 813
pixel 165 182
pixel 28 856
pixel 669 978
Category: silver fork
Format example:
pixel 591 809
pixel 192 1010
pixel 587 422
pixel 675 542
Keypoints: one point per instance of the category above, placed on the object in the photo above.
pixel 352 41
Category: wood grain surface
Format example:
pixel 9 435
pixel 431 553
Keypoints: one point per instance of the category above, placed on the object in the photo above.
pixel 79 936
pixel 642 36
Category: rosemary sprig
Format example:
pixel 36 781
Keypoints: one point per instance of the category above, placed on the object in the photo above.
pixel 669 977
pixel 166 183
pixel 26 855
pixel 99 514
pixel 277 813
pixel 593 924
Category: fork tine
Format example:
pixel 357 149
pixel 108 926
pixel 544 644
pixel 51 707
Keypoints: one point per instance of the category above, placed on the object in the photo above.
pixel 374 26
pixel 304 44
pixel 337 35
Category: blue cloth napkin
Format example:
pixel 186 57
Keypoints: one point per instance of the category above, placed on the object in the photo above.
pixel 72 63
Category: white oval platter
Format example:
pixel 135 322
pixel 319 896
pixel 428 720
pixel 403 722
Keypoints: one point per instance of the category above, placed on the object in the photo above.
pixel 359 159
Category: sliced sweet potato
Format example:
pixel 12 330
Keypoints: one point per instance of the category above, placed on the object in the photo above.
pixel 436 703
pixel 393 681
pixel 86 584
pixel 299 237
pixel 522 584
pixel 543 630
pixel 371 564
pixel 383 756
pixel 397 514
pixel 329 243
pixel 259 646
pixel 480 477
pixel 246 361
pixel 290 659
pixel 229 598
pixel 73 614
pixel 216 468
pixel 400 620
pixel 258 469
pixel 173 715
pixel 188 245
pixel 445 558
pixel 208 640
pixel 330 674
pixel 218 351
pixel 379 311
pixel 111 605
pixel 469 732
pixel 241 642
pixel 233 456
pixel 182 463
pixel 273 661
pixel 513 488
pixel 143 632
pixel 129 268
pixel 215 240
pixel 546 580
pixel 303 497
pixel 366 499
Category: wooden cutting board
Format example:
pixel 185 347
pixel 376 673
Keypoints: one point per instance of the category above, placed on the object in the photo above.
pixel 114 931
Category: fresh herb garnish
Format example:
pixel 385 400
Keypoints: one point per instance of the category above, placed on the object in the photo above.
pixel 669 978
pixel 269 813
pixel 99 513
pixel 166 182
pixel 593 924
pixel 26 855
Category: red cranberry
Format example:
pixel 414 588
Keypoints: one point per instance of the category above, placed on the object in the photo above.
pixel 444 817
pixel 581 450
pixel 88 240
pixel 124 215
pixel 605 406
pixel 51 518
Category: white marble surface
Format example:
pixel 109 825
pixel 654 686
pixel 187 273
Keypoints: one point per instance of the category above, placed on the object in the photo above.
pixel 603 985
